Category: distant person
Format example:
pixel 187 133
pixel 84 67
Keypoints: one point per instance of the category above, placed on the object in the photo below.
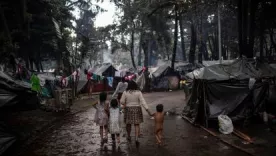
pixel 121 87
pixel 114 120
pixel 89 82
pixel 133 101
pixel 159 121
pixel 101 116
pixel 147 80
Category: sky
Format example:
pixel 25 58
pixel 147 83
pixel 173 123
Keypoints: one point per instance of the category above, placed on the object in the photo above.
pixel 105 18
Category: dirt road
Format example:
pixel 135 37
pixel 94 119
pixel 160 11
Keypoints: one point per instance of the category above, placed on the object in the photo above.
pixel 78 136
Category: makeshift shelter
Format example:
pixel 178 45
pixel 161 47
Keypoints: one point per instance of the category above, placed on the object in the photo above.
pixel 165 78
pixel 106 70
pixel 239 90
pixel 16 94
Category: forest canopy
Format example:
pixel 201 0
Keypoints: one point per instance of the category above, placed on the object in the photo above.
pixel 147 30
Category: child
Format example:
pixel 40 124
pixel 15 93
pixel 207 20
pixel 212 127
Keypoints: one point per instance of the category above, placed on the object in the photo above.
pixel 114 125
pixel 159 120
pixel 101 116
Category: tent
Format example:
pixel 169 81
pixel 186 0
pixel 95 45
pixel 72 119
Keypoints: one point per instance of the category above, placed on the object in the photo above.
pixel 239 89
pixel 165 78
pixel 16 94
pixel 106 70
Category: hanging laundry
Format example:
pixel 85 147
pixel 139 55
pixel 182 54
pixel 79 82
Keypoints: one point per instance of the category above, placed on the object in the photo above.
pixel 117 74
pixel 64 82
pixel 35 83
pixel 95 77
pixel 110 81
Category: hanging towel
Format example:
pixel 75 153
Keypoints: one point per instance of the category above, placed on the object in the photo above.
pixel 35 83
pixel 110 81
pixel 95 77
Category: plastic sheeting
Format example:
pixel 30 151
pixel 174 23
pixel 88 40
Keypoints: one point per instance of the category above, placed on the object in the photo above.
pixel 231 97
pixel 239 69
pixel 6 138
pixel 16 93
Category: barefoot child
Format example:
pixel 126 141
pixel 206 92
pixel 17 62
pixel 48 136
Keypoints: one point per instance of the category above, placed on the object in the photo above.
pixel 101 116
pixel 159 120
pixel 114 125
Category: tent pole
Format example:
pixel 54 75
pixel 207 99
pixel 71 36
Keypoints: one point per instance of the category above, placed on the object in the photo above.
pixel 219 35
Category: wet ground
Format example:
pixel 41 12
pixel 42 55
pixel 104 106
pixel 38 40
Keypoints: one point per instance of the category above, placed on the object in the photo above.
pixel 78 135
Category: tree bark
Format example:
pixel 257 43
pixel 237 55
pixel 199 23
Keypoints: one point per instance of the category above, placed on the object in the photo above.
pixel 253 8
pixel 210 46
pixel 245 26
pixel 140 50
pixel 272 40
pixel 182 38
pixel 132 47
pixel 175 37
pixel 193 44
pixel 145 49
pixel 201 49
pixel 5 24
pixel 240 28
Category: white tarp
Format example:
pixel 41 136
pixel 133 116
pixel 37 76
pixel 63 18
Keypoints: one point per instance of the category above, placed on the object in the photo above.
pixel 141 81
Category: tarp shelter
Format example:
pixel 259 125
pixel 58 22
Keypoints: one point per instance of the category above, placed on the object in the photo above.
pixel 165 78
pixel 238 90
pixel 188 67
pixel 16 94
pixel 106 70
pixel 7 139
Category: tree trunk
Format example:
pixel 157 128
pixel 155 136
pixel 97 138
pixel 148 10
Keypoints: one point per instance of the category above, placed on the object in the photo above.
pixel 211 47
pixel 5 24
pixel 272 40
pixel 245 26
pixel 193 44
pixel 215 48
pixel 205 51
pixel 253 8
pixel 175 37
pixel 182 38
pixel 201 49
pixel 132 48
pixel 240 28
pixel 145 49
pixel 140 50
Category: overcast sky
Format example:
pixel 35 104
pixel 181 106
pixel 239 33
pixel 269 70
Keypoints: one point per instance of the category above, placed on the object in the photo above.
pixel 105 18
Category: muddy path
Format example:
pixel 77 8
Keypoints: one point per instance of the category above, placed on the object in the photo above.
pixel 77 135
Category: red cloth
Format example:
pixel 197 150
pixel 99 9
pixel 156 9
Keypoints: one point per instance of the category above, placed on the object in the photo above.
pixel 89 75
pixel 19 66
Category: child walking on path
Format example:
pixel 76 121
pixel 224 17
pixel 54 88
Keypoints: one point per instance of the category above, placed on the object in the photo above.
pixel 114 123
pixel 101 116
pixel 159 120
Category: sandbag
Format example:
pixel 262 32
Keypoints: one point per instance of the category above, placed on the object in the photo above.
pixel 225 124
